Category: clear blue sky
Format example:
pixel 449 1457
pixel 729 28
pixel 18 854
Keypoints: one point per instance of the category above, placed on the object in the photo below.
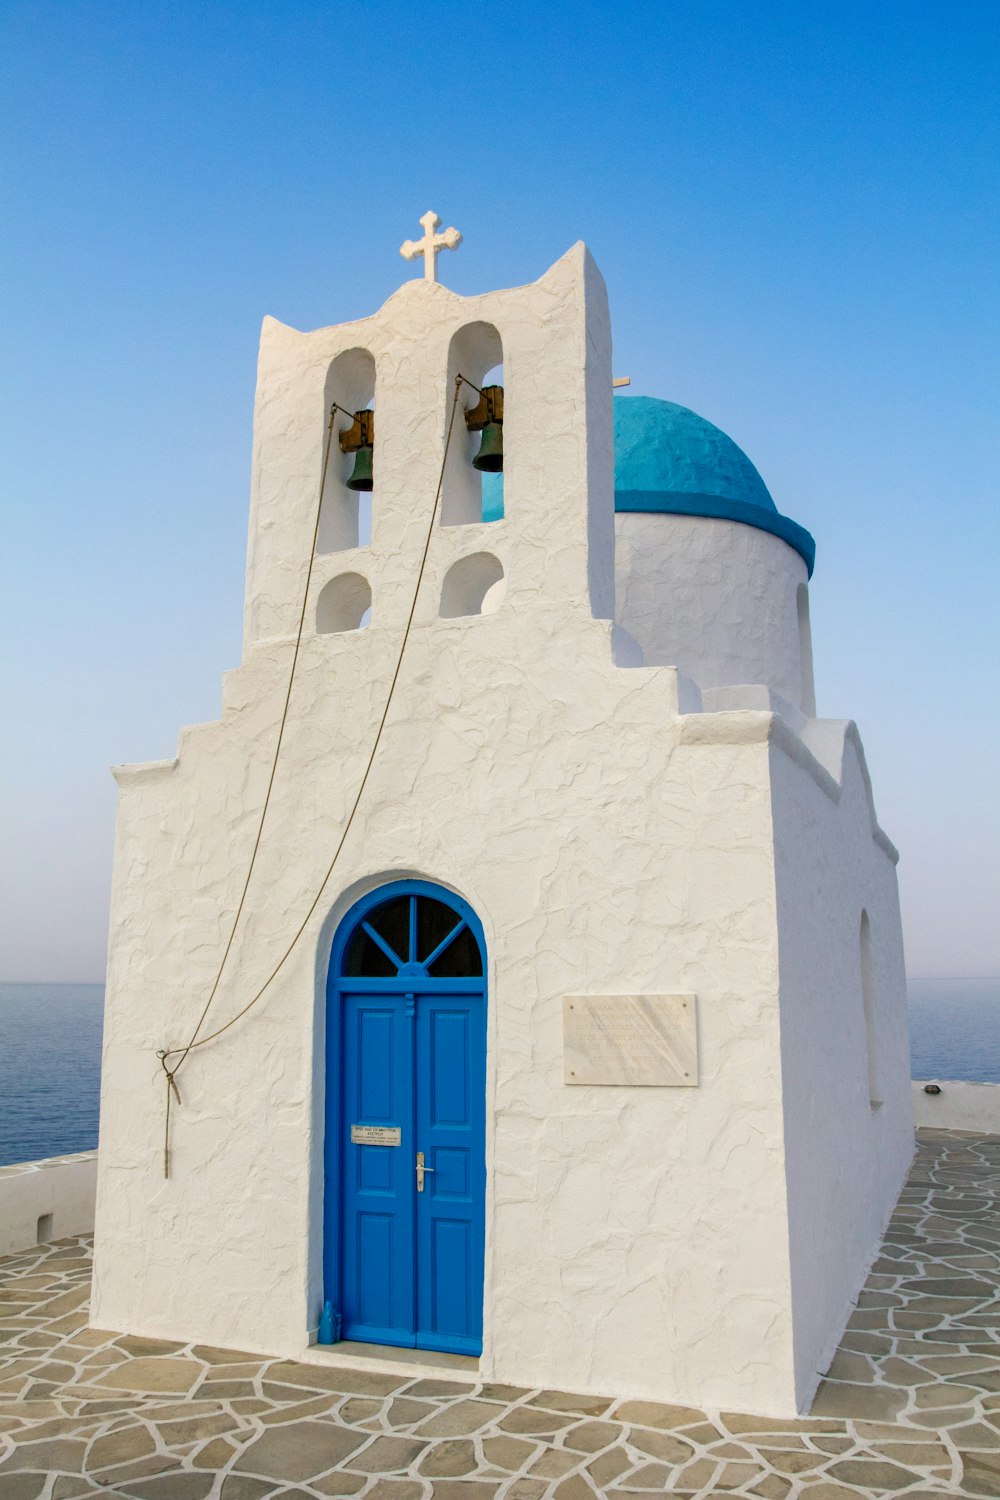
pixel 795 207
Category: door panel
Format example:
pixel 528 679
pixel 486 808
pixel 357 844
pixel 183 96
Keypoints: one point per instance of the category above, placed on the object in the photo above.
pixel 449 1066
pixel 450 1289
pixel 376 1307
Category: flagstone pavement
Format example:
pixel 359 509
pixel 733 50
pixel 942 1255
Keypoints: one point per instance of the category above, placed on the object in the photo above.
pixel 910 1405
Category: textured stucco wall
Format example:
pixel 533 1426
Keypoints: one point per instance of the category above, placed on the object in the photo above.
pixel 609 838
pixel 845 1160
pixel 715 599
pixel 634 1236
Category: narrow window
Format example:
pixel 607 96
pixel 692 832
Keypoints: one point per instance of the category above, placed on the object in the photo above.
pixel 807 701
pixel 871 1018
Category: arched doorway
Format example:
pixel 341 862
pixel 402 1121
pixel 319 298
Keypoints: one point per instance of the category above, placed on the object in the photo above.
pixel 406 1120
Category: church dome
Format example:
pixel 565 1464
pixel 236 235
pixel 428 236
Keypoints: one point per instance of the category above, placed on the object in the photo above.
pixel 669 460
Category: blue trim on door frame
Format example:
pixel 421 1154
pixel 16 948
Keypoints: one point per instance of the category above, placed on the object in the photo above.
pixel 400 984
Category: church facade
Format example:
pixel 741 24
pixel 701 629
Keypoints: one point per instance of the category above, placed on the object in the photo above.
pixel 589 1060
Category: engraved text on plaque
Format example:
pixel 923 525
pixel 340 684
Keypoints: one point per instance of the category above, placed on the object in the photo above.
pixel 375 1135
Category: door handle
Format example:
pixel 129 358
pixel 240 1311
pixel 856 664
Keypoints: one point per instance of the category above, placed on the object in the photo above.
pixel 421 1169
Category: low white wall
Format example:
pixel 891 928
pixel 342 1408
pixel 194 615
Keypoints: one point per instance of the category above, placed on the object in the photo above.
pixel 63 1187
pixel 959 1106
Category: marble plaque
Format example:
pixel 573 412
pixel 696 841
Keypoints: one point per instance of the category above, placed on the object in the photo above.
pixel 645 1040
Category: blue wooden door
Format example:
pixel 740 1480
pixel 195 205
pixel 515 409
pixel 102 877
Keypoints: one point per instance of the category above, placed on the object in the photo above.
pixel 406 1171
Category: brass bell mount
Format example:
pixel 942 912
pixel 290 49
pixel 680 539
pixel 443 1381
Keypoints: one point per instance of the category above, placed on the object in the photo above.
pixel 487 417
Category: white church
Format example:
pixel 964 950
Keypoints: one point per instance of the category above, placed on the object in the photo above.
pixel 558 937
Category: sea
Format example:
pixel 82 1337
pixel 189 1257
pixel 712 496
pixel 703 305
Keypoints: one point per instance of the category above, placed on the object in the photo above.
pixel 50 1055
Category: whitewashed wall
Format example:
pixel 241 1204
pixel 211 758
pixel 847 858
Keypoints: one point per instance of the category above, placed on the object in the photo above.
pixel 715 599
pixel 611 838
pixel 846 1160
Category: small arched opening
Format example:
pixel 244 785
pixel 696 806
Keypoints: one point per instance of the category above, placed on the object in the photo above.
pixel 472 586
pixel 344 603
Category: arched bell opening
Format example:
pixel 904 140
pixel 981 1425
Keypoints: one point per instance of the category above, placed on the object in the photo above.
pixel 345 603
pixel 472 586
pixel 474 485
pixel 345 519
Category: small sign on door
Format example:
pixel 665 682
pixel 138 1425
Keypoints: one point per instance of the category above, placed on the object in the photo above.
pixel 376 1135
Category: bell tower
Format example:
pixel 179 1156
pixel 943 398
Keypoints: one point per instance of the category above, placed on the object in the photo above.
pixel 555 541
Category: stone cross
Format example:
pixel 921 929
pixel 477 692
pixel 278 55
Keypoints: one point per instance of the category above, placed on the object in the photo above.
pixel 431 243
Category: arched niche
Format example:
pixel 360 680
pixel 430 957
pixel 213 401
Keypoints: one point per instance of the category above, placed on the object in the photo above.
pixel 807 702
pixel 472 586
pixel 345 518
pixel 343 604
pixel 476 352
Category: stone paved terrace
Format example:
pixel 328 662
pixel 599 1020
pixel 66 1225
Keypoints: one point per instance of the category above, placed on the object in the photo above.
pixel 911 1405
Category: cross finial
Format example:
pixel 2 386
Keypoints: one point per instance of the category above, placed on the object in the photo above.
pixel 431 243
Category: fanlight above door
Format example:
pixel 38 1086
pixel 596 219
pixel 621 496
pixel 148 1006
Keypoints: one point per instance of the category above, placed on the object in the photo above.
pixel 409 936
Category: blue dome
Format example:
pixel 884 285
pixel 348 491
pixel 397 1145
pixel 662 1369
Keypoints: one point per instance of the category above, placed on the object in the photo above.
pixel 669 460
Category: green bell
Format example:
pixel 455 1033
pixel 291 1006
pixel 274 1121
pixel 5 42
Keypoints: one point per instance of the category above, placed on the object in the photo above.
pixel 489 459
pixel 361 478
